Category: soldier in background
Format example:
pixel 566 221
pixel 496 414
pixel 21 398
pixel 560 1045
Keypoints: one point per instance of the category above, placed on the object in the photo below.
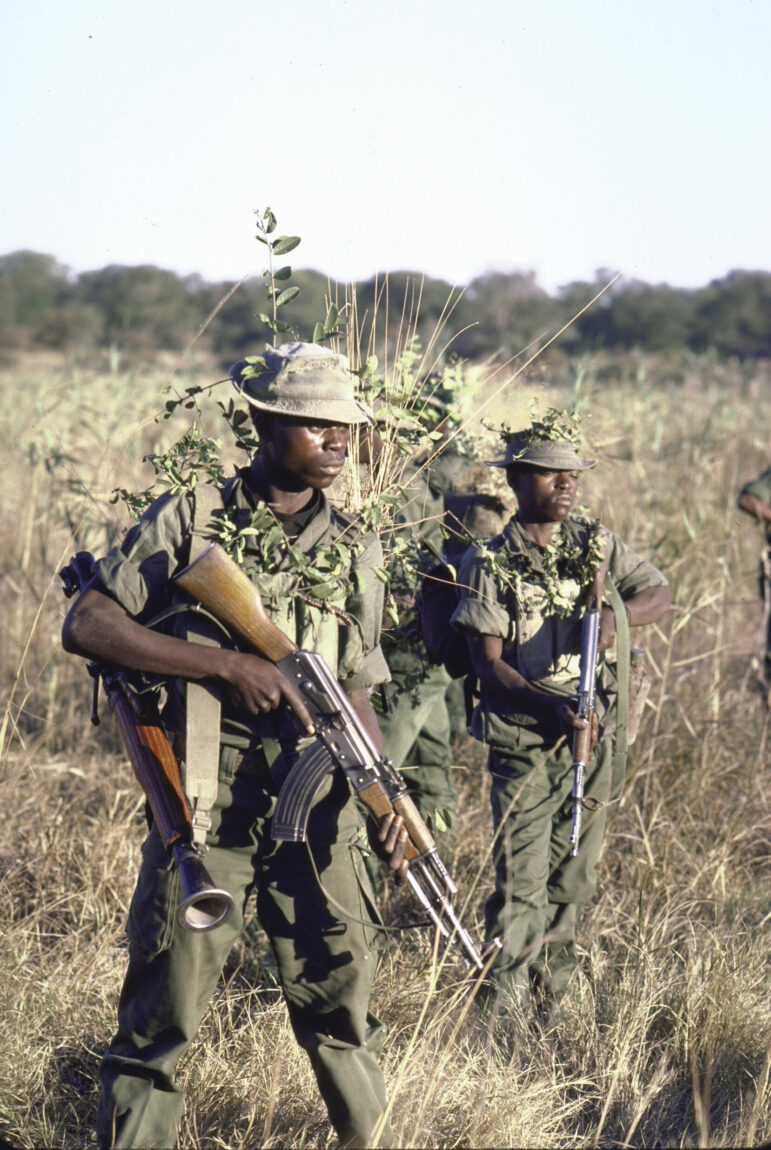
pixel 521 606
pixel 412 709
pixel 755 500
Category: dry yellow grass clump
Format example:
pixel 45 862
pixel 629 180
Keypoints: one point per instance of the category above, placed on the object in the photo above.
pixel 665 1038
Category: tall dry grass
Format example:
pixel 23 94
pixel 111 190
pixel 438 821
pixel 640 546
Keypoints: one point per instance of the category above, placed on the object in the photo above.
pixel 665 1037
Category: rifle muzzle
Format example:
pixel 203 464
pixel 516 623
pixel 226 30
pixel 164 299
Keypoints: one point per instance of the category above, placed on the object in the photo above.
pixel 203 906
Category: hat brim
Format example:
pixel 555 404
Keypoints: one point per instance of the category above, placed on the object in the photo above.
pixel 574 465
pixel 349 412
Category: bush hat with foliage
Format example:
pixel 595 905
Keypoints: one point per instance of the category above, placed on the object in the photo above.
pixel 551 442
pixel 302 379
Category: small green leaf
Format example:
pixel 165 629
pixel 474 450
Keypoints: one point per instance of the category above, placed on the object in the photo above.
pixel 331 319
pixel 287 296
pixel 380 574
pixel 263 317
pixel 285 244
pixel 270 221
pixel 442 820
pixel 283 273
pixel 318 333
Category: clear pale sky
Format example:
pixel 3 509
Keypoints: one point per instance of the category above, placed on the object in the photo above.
pixel 444 136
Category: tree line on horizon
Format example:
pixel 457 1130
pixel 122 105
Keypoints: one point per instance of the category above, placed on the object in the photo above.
pixel 146 308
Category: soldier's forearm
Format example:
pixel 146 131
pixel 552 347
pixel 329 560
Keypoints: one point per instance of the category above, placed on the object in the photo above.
pixel 757 507
pixel 98 628
pixel 648 606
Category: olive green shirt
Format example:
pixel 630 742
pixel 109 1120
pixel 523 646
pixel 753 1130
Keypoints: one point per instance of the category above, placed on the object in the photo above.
pixel 544 647
pixel 139 574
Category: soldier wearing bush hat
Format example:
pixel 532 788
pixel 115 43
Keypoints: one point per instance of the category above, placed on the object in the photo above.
pixel 301 379
pixel 521 606
pixel 525 447
pixel 318 914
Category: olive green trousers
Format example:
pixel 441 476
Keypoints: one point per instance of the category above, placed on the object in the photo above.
pixel 417 739
pixel 326 962
pixel 539 888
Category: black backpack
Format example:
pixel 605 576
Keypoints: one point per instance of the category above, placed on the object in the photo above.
pixel 439 596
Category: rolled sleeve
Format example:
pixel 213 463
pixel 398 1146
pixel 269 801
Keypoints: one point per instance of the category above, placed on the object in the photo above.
pixel 137 573
pixel 479 608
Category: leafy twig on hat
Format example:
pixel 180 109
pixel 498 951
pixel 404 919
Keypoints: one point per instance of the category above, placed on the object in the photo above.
pixel 555 425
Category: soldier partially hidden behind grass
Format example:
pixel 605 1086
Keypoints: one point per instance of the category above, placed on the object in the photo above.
pixel 303 407
pixel 755 499
pixel 521 607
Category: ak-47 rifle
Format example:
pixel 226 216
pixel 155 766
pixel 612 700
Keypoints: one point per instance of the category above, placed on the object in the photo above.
pixel 219 585
pixel 203 906
pixel 586 708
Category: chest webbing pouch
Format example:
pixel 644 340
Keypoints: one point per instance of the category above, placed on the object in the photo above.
pixel 202 723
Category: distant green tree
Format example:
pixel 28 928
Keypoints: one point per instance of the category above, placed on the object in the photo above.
pixel 512 313
pixel 142 305
pixel 31 286
pixel 585 330
pixel 654 317
pixel 733 315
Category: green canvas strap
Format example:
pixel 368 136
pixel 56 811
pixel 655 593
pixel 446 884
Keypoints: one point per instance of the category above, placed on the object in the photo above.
pixel 623 644
pixel 202 732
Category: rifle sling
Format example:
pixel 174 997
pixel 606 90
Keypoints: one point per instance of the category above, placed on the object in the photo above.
pixel 202 742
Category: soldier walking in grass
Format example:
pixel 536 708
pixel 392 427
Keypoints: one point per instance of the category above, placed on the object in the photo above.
pixel 521 604
pixel 413 717
pixel 302 403
pixel 755 499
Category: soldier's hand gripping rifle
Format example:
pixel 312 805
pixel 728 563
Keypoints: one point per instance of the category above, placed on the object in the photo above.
pixel 583 738
pixel 203 906
pixel 219 585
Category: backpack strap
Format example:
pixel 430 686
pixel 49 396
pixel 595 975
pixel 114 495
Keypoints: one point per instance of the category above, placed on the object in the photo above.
pixel 202 731
pixel 621 749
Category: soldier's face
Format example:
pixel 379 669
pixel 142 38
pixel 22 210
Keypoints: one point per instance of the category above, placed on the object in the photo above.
pixel 310 452
pixel 543 496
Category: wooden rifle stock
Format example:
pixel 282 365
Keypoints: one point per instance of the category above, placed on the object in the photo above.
pixel 203 906
pixel 221 586
pixel 152 759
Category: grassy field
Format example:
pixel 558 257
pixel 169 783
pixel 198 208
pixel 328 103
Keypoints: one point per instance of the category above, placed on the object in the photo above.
pixel 665 1038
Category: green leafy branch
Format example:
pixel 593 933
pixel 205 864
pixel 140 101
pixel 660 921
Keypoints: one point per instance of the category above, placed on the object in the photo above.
pixel 278 295
pixel 566 559
pixel 278 291
pixel 194 457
